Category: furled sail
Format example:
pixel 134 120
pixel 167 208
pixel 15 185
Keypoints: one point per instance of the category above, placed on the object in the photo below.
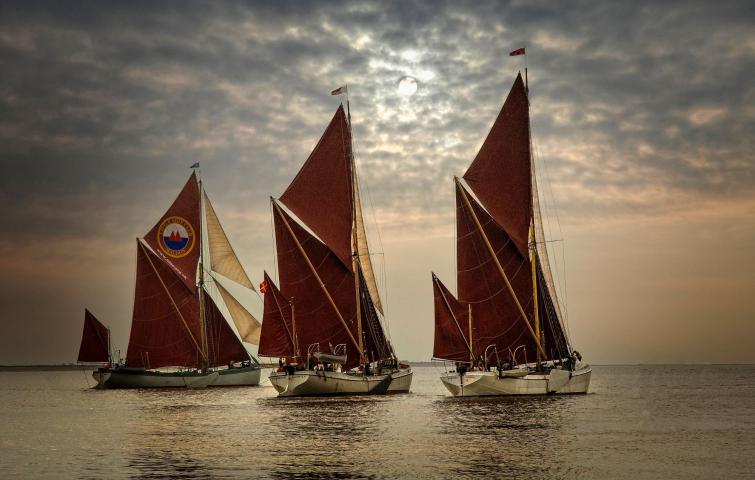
pixel 277 338
pixel 247 326
pixel 363 250
pixel 321 193
pixel 451 325
pixel 165 329
pixel 222 257
pixel 94 340
pixel 176 236
pixel 376 344
pixel 500 173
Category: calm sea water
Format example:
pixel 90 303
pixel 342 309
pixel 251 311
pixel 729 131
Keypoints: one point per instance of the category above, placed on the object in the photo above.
pixel 638 422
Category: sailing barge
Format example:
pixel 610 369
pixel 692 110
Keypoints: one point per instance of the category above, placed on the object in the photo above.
pixel 325 319
pixel 505 331
pixel 179 337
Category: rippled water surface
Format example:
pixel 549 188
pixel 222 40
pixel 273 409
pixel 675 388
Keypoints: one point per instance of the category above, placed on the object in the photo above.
pixel 637 422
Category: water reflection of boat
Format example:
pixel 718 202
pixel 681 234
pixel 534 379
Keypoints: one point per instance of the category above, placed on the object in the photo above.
pixel 506 307
pixel 186 270
pixel 328 301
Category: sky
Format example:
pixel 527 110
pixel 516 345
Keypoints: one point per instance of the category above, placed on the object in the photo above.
pixel 643 117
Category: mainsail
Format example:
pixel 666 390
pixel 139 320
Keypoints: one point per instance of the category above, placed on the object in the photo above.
pixel 494 217
pixel 95 340
pixel 333 300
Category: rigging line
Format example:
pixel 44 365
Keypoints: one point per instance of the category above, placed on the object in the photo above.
pixel 180 315
pixel 272 236
pixel 549 187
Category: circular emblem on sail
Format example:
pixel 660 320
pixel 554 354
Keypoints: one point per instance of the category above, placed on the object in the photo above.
pixel 175 237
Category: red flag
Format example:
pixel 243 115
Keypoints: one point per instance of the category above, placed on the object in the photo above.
pixel 518 51
pixel 263 287
pixel 339 90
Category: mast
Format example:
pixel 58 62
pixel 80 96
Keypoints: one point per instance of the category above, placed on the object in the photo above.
pixel 293 329
pixel 200 289
pixel 471 350
pixel 498 265
pixel 354 241
pixel 533 260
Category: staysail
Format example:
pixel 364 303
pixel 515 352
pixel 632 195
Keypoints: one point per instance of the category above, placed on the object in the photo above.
pixel 277 339
pixel 248 327
pixel 451 325
pixel 222 259
pixel 95 340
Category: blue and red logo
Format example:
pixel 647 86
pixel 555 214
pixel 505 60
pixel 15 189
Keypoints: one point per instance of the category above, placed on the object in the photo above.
pixel 175 236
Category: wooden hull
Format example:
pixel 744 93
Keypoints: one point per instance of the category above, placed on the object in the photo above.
pixel 401 381
pixel 311 383
pixel 238 377
pixel 473 384
pixel 134 378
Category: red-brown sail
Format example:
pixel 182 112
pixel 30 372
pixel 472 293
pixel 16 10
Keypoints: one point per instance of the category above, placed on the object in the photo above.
pixel 316 320
pixel 277 337
pixel 94 340
pixel 176 236
pixel 165 329
pixel 451 320
pixel 223 346
pixel 321 193
pixel 500 174
pixel 494 313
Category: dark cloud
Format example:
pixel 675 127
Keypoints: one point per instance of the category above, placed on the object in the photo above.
pixel 638 107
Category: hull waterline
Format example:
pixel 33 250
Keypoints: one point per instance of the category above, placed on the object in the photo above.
pixel 476 384
pixel 313 383
pixel 138 378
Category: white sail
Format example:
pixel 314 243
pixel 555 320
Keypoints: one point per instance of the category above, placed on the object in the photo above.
pixel 364 252
pixel 222 258
pixel 248 327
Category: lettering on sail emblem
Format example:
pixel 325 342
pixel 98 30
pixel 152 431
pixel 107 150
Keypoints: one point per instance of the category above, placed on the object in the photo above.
pixel 175 237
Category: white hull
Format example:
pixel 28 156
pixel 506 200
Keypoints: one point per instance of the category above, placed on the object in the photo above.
pixel 401 381
pixel 474 384
pixel 238 377
pixel 125 378
pixel 310 382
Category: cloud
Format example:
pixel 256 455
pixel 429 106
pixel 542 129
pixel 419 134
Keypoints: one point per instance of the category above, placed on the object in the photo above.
pixel 639 109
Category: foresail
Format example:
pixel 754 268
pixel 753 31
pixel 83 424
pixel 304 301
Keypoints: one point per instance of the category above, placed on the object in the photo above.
pixel 363 250
pixel 248 326
pixel 94 340
pixel 222 258
pixel 277 337
pixel 451 325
